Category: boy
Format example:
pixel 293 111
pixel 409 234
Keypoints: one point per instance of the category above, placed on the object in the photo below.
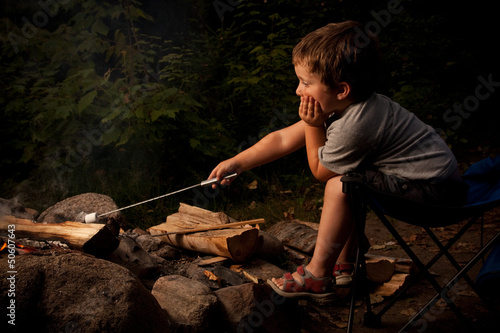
pixel 347 127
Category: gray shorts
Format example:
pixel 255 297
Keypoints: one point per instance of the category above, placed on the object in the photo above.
pixel 445 193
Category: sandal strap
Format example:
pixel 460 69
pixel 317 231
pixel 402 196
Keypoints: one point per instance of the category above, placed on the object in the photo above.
pixel 314 284
pixel 292 285
pixel 339 268
pixel 308 283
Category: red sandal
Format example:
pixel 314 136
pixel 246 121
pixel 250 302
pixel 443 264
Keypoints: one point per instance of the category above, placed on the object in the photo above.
pixel 341 279
pixel 310 286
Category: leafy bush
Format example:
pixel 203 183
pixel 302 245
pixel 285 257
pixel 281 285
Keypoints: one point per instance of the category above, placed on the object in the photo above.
pixel 94 99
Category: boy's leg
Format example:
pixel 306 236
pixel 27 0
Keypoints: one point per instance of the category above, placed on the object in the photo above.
pixel 335 231
pixel 335 228
pixel 348 254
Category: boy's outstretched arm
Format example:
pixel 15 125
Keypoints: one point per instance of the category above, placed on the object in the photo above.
pixel 271 147
pixel 310 112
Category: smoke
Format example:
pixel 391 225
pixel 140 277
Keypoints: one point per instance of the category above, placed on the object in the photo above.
pixel 14 208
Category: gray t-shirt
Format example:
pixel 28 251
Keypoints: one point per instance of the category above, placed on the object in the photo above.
pixel 380 134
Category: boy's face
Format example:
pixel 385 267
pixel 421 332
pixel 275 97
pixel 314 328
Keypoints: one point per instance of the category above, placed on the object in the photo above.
pixel 310 85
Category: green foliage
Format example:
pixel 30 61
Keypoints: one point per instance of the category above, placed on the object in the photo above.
pixel 95 100
pixel 90 103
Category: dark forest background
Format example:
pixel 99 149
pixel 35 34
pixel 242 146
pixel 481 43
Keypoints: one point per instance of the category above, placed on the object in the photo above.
pixel 134 99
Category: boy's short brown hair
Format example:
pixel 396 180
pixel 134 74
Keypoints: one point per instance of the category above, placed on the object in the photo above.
pixel 341 52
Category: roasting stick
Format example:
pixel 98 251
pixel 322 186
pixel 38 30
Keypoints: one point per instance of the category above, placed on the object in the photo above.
pixel 91 218
pixel 212 227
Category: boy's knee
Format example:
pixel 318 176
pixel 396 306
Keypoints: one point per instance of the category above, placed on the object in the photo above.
pixel 334 186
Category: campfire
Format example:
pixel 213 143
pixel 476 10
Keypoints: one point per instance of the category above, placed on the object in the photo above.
pixel 17 247
pixel 201 246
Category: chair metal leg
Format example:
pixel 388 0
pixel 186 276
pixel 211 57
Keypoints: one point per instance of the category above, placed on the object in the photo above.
pixel 359 198
pixel 359 274
pixel 350 322
pixel 423 269
pixel 444 251
pixel 451 283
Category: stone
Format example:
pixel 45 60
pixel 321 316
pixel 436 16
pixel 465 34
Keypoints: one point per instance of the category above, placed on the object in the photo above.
pixel 196 273
pixel 191 304
pixel 72 291
pixel 71 209
pixel 133 257
pixel 254 307
pixel 149 243
pixel 168 252
pixel 228 275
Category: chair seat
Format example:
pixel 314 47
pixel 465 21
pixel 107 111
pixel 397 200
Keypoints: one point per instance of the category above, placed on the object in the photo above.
pixel 417 213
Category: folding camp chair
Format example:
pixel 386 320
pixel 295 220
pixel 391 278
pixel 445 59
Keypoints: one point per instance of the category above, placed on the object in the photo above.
pixel 484 194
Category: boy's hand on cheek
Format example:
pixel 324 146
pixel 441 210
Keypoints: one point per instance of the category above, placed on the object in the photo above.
pixel 311 113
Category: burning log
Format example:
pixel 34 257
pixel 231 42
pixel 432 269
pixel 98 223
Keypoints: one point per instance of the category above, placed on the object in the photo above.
pixel 95 239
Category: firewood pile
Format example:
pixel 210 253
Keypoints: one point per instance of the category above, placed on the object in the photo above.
pixel 202 270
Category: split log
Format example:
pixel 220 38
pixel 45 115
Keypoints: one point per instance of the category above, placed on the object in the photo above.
pixel 211 261
pixel 312 225
pixel 379 270
pixel 392 286
pixel 95 239
pixel 270 248
pixel 258 270
pixel 296 235
pixel 188 215
pixel 296 256
pixel 401 265
pixel 236 243
pixel 181 230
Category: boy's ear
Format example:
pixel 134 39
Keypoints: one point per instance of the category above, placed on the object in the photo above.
pixel 344 91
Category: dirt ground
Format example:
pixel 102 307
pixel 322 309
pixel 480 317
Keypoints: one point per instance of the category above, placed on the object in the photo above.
pixel 440 318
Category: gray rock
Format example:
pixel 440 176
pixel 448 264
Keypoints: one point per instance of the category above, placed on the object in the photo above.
pixel 71 209
pixel 149 243
pixel 227 275
pixel 168 252
pixel 197 273
pixel 63 292
pixel 189 303
pixel 256 308
pixel 133 257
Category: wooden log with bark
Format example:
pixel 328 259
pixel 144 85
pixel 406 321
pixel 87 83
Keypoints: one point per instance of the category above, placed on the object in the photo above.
pixel 258 270
pixel 95 239
pixel 379 270
pixel 392 286
pixel 401 265
pixel 237 243
pixel 295 235
pixel 192 215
